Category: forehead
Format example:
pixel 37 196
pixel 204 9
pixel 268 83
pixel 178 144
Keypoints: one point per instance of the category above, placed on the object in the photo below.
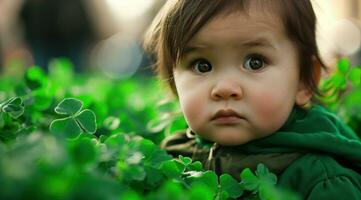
pixel 255 25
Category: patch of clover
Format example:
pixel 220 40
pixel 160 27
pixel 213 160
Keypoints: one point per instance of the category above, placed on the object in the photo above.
pixel 77 121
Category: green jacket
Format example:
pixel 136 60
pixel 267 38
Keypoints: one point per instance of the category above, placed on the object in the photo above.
pixel 313 154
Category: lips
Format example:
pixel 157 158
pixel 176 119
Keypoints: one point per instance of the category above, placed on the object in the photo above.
pixel 227 117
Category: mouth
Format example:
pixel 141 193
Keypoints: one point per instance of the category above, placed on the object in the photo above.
pixel 227 117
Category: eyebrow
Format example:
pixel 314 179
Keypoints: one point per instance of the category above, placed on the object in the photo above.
pixel 259 42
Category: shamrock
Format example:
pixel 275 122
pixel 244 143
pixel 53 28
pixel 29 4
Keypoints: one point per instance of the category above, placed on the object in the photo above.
pixel 13 106
pixel 76 121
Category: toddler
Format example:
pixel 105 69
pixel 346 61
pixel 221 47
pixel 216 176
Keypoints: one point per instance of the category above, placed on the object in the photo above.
pixel 245 72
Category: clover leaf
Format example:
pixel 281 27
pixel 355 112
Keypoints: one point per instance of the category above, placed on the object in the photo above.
pixel 67 126
pixel 262 183
pixel 343 65
pixel 82 151
pixel 86 119
pixel 69 106
pixel 263 173
pixel 170 169
pixel 231 186
pixel 208 178
pixel 249 180
pixel 13 106
pixel 186 160
pixel 76 122
pixel 355 75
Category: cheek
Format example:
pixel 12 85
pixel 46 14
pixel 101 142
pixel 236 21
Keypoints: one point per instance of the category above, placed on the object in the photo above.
pixel 192 99
pixel 268 108
pixel 190 104
pixel 193 109
pixel 272 109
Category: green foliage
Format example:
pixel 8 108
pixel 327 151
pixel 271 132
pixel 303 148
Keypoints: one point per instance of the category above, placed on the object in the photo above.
pixel 342 92
pixel 85 136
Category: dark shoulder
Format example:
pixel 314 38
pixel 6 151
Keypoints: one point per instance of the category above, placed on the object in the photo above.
pixel 305 173
pixel 179 144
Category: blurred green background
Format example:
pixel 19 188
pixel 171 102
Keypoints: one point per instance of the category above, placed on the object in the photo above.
pixel 82 114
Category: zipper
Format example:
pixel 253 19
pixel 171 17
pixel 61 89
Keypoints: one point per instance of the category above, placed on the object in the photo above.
pixel 212 150
pixel 211 155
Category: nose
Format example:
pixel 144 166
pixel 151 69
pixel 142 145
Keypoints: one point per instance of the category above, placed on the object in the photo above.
pixel 225 90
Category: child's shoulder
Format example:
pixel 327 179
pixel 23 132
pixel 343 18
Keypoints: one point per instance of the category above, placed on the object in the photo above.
pixel 320 176
pixel 331 117
pixel 179 144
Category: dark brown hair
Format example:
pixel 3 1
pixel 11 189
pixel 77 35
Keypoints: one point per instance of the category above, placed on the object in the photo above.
pixel 180 20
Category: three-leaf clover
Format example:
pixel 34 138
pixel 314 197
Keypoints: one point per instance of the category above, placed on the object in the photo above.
pixel 13 106
pixel 261 183
pixel 230 186
pixel 76 122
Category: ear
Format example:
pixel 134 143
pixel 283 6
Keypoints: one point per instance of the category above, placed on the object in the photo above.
pixel 304 94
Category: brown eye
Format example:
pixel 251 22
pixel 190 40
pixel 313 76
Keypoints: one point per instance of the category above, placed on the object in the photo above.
pixel 201 66
pixel 254 62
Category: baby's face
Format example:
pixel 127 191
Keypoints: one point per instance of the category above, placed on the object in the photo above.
pixel 239 78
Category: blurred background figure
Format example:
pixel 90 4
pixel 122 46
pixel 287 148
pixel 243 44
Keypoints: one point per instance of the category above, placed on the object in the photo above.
pixel 53 28
pixel 106 35
pixel 121 55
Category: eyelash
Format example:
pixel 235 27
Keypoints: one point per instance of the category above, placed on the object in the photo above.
pixel 258 56
pixel 264 59
pixel 195 61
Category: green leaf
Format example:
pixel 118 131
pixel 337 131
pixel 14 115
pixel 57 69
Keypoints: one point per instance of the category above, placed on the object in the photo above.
pixel 147 147
pixel 42 101
pixel 263 173
pixel 2 121
pixel 171 190
pixel 195 166
pixel 14 106
pixel 158 157
pixel 170 169
pixel 135 172
pixel 17 114
pixel 82 151
pixel 21 90
pixel 267 192
pixel 87 121
pixel 343 65
pixel 339 80
pixel 11 108
pixel 249 180
pixel 130 195
pixel 14 111
pixel 69 106
pixel 201 191
pixel 185 160
pixel 355 75
pixel 208 178
pixel 231 186
pixel 61 71
pixel 67 127
pixel 15 101
pixel 154 176
pixel 35 78
pixel 115 142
